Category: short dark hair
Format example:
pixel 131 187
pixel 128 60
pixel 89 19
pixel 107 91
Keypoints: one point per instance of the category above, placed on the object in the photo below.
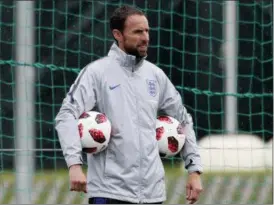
pixel 119 16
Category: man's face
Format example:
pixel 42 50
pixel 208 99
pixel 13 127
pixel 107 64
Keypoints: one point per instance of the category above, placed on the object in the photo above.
pixel 135 37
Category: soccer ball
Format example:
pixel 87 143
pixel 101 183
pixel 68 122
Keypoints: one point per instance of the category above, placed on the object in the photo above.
pixel 94 130
pixel 170 137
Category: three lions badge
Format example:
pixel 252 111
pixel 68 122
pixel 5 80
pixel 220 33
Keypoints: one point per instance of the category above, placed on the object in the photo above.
pixel 151 86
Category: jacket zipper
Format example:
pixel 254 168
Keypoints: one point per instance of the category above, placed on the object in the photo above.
pixel 140 164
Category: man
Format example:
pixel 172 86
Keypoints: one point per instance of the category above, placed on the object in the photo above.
pixel 130 91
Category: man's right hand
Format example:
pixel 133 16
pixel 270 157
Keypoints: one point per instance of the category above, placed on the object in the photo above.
pixel 78 181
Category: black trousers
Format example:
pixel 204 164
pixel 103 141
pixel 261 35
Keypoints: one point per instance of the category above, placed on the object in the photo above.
pixel 100 200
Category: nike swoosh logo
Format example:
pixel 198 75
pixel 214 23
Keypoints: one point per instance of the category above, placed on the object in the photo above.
pixel 113 87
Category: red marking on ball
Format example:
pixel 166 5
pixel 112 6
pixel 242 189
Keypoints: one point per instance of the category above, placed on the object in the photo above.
pixel 100 118
pixel 84 115
pixel 165 119
pixel 159 132
pixel 172 144
pixel 97 135
pixel 81 129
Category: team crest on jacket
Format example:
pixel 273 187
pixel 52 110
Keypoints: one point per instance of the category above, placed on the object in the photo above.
pixel 151 85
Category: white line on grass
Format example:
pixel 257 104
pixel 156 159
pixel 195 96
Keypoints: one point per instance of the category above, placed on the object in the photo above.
pixel 84 198
pixel 69 197
pixel 247 191
pixel 55 190
pixel 265 190
pixel 230 190
pixel 212 189
pixel 37 190
pixel 178 191
pixel 4 188
pixel 170 181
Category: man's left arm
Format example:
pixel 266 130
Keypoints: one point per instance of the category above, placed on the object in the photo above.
pixel 170 102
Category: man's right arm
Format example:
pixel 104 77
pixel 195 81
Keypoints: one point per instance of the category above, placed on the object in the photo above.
pixel 80 98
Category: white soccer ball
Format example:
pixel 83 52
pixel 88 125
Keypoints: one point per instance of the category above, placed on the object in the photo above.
pixel 94 130
pixel 170 137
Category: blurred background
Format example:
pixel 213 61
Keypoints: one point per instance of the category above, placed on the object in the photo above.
pixel 218 54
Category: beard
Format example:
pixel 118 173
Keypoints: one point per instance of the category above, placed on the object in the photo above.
pixel 134 51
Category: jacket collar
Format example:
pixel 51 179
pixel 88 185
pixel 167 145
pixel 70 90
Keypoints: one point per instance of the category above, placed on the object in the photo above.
pixel 130 62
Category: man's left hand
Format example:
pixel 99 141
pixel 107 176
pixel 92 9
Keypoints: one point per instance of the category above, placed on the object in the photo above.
pixel 193 187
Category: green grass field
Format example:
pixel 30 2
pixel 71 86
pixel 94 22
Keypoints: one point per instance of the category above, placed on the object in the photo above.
pixel 51 187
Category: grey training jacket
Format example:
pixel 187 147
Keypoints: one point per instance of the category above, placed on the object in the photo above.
pixel 130 92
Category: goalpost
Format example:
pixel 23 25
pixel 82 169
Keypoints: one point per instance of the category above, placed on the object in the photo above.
pixel 24 156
